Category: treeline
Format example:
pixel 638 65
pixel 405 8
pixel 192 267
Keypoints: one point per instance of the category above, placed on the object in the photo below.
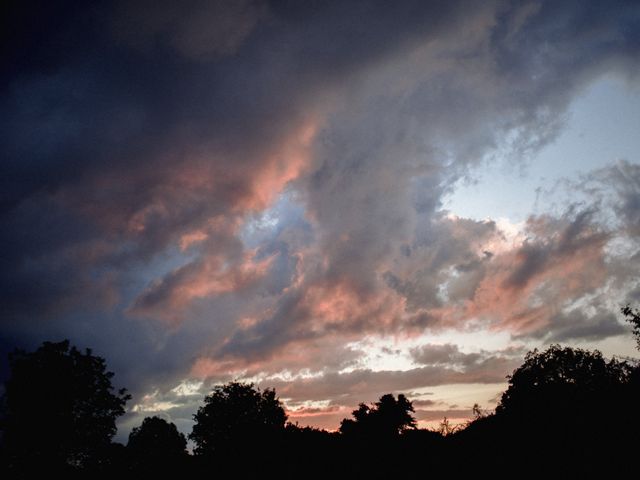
pixel 566 412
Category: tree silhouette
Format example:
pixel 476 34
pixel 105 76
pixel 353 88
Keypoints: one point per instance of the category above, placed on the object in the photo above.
pixel 60 408
pixel 558 377
pixel 237 415
pixel 633 317
pixel 387 417
pixel 566 412
pixel 156 445
pixel 446 428
pixel 569 402
pixel 564 407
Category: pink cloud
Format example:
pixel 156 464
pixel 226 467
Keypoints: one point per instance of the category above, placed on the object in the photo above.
pixel 209 277
pixel 524 287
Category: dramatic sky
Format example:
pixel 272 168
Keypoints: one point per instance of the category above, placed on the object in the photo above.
pixel 338 199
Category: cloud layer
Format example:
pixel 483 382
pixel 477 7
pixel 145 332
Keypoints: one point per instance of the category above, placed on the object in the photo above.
pixel 249 189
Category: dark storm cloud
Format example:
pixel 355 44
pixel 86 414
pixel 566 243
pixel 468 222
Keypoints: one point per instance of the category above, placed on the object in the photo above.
pixel 140 140
pixel 202 31
pixel 115 136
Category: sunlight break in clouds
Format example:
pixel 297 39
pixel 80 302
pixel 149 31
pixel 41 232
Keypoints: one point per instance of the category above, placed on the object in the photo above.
pixel 262 190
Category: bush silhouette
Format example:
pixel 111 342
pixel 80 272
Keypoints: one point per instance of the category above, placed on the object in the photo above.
pixel 60 408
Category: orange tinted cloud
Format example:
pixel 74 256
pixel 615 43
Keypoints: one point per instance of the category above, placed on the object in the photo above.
pixel 222 267
pixel 523 288
pixel 209 277
pixel 285 163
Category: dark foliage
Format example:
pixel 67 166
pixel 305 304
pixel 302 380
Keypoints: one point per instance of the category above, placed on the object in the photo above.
pixel 60 409
pixel 633 317
pixel 566 412
pixel 561 381
pixel 386 418
pixel 156 445
pixel 238 420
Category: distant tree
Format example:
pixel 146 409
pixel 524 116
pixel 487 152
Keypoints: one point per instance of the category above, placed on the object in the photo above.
pixel 478 412
pixel 156 444
pixel 237 415
pixel 60 408
pixel 446 428
pixel 387 417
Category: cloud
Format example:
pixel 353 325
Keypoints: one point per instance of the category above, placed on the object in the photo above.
pixel 505 282
pixel 578 325
pixel 231 187
pixel 446 354
pixel 208 277
pixel 624 179
pixel 322 417
pixel 349 388
pixel 199 30
pixel 305 356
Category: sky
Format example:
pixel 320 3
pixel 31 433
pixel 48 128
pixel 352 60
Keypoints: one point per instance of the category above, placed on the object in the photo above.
pixel 335 199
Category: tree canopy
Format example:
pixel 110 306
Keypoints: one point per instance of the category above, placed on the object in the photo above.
pixel 236 413
pixel 60 406
pixel 560 376
pixel 156 444
pixel 564 407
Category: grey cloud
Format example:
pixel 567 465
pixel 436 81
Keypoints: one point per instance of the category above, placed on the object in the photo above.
pixel 199 30
pixel 579 325
pixel 442 245
pixel 126 127
pixel 446 354
pixel 423 403
pixel 553 241
pixel 633 296
pixel 624 178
